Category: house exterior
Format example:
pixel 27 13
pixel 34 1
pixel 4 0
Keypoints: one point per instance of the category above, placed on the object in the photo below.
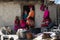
pixel 10 9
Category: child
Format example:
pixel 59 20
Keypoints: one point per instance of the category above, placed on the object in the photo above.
pixel 16 23
pixel 22 24
pixel 25 15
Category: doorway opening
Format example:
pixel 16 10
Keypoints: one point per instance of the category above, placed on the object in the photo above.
pixel 26 9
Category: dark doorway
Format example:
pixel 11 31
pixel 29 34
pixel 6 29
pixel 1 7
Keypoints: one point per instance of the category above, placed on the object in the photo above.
pixel 27 8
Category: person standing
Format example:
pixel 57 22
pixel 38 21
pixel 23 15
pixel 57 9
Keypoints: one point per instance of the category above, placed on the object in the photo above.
pixel 46 19
pixel 31 14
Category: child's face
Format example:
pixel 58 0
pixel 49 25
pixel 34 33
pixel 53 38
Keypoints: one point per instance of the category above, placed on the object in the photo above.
pixel 17 17
pixel 25 12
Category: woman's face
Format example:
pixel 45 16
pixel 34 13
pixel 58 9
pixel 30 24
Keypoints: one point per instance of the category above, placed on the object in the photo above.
pixel 45 8
pixel 30 9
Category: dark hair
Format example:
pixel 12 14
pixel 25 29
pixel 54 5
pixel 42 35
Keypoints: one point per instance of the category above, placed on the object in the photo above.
pixel 11 38
pixel 17 19
pixel 46 7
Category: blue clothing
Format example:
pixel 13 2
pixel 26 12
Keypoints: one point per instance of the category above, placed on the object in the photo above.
pixel 25 16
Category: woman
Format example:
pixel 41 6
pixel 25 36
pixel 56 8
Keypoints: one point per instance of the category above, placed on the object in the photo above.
pixel 46 13
pixel 31 14
pixel 46 19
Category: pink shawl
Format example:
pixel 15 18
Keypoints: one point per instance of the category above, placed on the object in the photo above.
pixel 46 14
pixel 16 26
pixel 23 24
